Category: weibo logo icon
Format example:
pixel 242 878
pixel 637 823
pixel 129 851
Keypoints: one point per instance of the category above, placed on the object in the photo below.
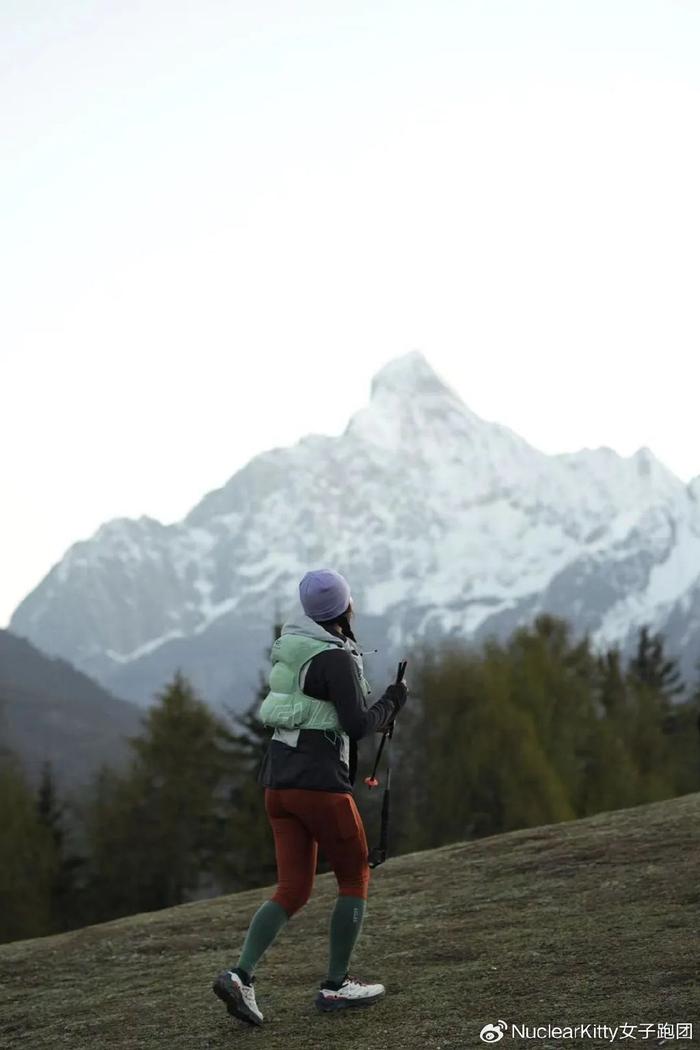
pixel 492 1033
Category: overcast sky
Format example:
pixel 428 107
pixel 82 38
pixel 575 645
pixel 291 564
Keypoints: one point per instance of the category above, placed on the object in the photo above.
pixel 219 219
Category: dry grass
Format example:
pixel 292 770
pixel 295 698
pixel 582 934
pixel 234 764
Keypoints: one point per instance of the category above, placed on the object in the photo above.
pixel 591 921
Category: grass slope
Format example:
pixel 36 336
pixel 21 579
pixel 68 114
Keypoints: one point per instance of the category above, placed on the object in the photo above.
pixel 590 921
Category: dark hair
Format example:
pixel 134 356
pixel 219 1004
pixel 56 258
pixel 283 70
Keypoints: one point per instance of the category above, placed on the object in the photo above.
pixel 342 621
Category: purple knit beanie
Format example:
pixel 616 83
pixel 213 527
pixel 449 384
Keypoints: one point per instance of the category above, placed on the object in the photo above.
pixel 324 594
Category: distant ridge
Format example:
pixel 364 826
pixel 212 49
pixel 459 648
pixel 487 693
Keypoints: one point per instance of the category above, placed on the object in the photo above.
pixel 50 711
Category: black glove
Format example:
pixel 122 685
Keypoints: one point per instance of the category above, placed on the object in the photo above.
pixel 398 694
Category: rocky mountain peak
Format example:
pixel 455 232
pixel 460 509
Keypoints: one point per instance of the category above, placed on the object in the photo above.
pixel 409 376
pixel 408 401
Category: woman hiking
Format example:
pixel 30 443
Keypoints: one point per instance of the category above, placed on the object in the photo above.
pixel 317 706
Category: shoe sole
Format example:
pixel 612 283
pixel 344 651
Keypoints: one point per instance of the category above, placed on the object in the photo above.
pixel 328 1005
pixel 230 994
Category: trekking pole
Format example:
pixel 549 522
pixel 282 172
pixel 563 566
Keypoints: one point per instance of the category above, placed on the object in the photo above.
pixel 377 855
pixel 372 781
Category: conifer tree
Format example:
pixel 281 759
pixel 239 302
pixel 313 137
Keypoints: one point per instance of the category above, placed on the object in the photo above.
pixel 651 666
pixel 654 680
pixel 611 684
pixel 247 854
pixel 682 729
pixel 473 764
pixel 612 779
pixel 154 831
pixel 649 747
pixel 27 858
pixel 552 679
pixel 66 864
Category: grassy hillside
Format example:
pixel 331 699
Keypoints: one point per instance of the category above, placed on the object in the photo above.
pixel 592 921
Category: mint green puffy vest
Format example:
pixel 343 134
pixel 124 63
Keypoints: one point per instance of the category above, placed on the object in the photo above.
pixel 286 706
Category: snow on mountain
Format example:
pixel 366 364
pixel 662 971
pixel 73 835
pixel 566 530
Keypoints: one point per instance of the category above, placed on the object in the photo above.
pixel 444 523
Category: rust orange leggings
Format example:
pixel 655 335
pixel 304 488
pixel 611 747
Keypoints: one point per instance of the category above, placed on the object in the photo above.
pixel 302 821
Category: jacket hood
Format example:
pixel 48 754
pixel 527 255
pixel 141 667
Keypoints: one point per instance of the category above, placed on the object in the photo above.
pixel 299 623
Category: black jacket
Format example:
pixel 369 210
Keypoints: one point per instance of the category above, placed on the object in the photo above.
pixel 314 762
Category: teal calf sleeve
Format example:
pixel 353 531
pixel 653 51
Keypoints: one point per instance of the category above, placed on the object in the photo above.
pixel 264 927
pixel 346 923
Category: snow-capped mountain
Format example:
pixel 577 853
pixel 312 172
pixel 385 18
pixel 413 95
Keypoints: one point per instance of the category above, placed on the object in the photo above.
pixel 444 523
